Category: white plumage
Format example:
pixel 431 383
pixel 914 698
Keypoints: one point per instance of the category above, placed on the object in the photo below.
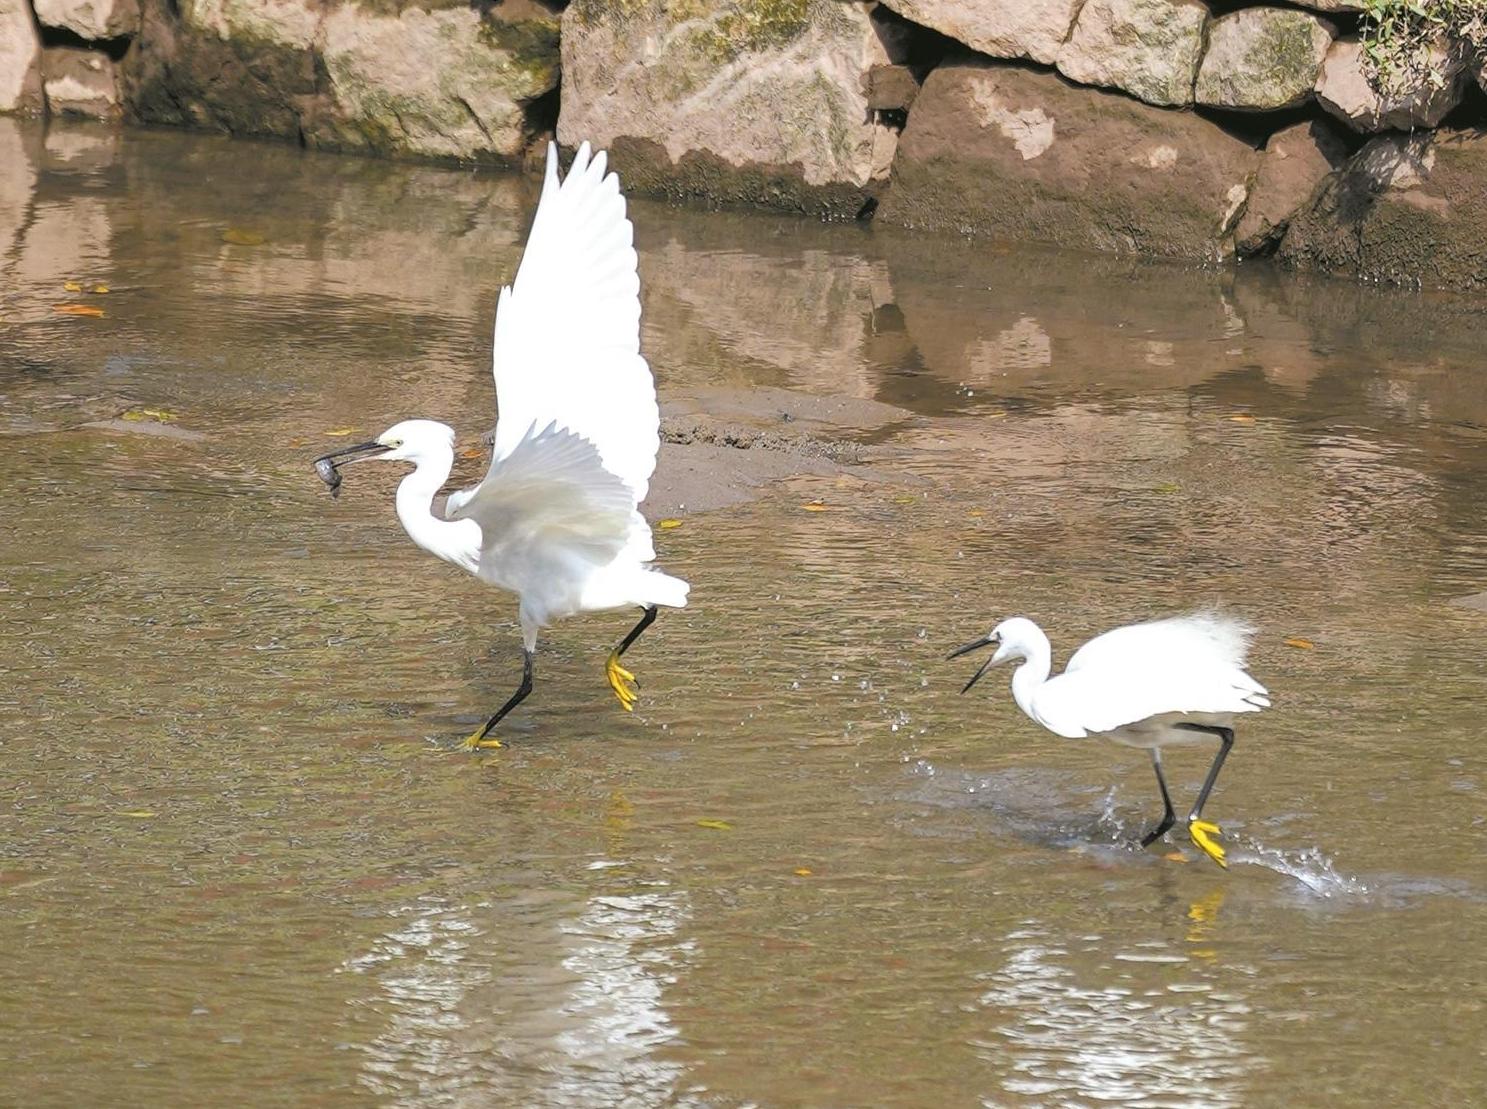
pixel 1180 680
pixel 556 518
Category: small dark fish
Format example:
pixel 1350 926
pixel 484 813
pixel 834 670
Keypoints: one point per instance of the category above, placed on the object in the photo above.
pixel 330 475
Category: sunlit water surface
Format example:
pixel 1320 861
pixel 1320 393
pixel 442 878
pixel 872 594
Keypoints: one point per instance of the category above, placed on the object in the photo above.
pixel 239 861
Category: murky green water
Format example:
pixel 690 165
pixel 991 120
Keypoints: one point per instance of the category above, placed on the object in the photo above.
pixel 239 863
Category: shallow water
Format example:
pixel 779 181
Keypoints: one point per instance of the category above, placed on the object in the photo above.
pixel 237 856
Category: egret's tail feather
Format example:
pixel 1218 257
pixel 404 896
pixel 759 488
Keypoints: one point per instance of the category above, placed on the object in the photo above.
pixel 663 589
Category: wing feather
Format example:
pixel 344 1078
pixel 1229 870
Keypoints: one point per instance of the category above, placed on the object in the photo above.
pixel 567 338
pixel 547 507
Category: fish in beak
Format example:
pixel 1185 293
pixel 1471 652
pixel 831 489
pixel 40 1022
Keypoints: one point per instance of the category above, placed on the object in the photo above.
pixel 326 465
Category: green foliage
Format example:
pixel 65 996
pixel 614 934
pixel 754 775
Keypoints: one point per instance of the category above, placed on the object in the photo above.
pixel 1398 36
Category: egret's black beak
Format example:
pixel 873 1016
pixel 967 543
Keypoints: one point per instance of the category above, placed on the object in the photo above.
pixel 326 464
pixel 976 645
pixel 348 452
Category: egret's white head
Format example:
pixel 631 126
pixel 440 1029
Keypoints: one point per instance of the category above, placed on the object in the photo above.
pixel 1014 638
pixel 415 440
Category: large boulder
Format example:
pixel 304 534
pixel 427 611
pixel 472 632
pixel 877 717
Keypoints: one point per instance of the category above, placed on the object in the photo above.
pixel 444 83
pixel 1007 151
pixel 20 59
pixel 90 19
pixel 439 79
pixel 1343 88
pixel 1149 48
pixel 761 101
pixel 1407 209
pixel 247 67
pixel 1033 29
pixel 1261 59
pixel 79 81
pixel 1295 162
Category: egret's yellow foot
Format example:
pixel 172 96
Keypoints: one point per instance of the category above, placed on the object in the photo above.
pixel 622 682
pixel 477 742
pixel 1203 834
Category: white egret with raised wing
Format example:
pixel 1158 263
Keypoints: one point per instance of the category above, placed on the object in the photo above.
pixel 555 520
pixel 1177 681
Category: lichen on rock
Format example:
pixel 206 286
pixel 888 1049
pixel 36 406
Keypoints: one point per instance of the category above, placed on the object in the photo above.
pixel 1262 59
pixel 1148 48
pixel 760 101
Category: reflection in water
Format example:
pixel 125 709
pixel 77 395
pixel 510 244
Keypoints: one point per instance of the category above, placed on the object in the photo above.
pixel 1071 1037
pixel 570 1013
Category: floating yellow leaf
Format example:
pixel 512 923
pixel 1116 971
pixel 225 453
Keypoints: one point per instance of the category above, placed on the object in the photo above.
pixel 77 310
pixel 716 825
pixel 906 499
pixel 238 237
pixel 995 415
pixel 1242 418
pixel 73 286
pixel 1298 642
pixel 975 512
pixel 100 288
pixel 140 415
pixel 138 814
pixel 1167 487
pixel 1175 857
pixel 341 431
pixel 803 872
pixel 471 452
pixel 814 506
pixel 669 523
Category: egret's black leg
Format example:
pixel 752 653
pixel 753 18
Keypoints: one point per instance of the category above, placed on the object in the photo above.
pixel 1169 817
pixel 1203 831
pixel 647 618
pixel 625 687
pixel 478 739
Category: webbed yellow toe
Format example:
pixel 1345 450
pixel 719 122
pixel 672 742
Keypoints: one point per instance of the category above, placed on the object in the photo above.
pixel 622 682
pixel 1204 834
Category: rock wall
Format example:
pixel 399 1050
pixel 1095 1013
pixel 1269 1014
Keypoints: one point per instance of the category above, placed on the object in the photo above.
pixel 1204 130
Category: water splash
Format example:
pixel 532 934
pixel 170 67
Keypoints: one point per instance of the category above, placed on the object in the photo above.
pixel 1308 866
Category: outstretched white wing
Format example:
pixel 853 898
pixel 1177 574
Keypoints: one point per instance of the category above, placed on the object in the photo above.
pixel 567 346
pixel 549 510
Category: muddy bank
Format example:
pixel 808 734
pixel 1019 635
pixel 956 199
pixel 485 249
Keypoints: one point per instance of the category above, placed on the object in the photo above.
pixel 1136 126
pixel 721 446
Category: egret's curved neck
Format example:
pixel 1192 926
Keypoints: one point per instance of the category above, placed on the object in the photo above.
pixel 1030 676
pixel 451 540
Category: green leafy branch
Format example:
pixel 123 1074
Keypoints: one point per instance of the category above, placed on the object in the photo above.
pixel 1400 39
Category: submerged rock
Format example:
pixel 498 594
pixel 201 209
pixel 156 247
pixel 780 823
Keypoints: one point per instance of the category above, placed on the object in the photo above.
pixel 1345 90
pixel 1406 209
pixel 20 59
pixel 1261 59
pixel 1007 151
pixel 1149 48
pixel 90 19
pixel 79 82
pixel 1295 162
pixel 761 101
pixel 1034 29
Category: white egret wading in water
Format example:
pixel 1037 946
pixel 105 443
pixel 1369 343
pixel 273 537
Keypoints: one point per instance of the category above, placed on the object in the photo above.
pixel 1153 685
pixel 555 520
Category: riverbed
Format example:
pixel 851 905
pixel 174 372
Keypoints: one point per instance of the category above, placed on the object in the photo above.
pixel 240 858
